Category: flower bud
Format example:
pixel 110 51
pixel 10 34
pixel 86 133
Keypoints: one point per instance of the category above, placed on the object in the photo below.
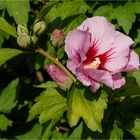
pixel 24 40
pixel 39 27
pixel 59 76
pixel 34 39
pixel 21 30
pixel 57 38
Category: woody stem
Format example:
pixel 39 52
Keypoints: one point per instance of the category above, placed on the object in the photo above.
pixel 55 61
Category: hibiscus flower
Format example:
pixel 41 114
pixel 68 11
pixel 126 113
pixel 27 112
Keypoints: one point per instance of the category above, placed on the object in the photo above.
pixel 97 53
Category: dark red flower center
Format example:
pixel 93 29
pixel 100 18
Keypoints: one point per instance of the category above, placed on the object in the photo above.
pixel 96 61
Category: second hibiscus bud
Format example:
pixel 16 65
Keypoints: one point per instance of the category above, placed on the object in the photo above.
pixel 57 38
pixel 59 76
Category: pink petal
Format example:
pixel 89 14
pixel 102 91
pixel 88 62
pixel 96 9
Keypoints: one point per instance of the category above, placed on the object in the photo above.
pixel 118 81
pixel 56 73
pixel 94 86
pixel 81 76
pixel 95 75
pixel 71 65
pixel 102 33
pixel 87 81
pixel 133 63
pixel 77 44
pixel 120 52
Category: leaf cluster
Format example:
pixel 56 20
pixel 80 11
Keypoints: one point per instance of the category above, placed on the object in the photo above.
pixel 32 106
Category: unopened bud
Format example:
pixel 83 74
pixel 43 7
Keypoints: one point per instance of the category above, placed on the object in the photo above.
pixel 39 27
pixel 24 40
pixel 34 39
pixel 59 76
pixel 57 38
pixel 21 30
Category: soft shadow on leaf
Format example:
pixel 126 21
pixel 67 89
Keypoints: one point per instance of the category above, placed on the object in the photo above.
pixel 74 23
pixel 45 9
pixel 7 54
pixel 33 133
pixel 133 126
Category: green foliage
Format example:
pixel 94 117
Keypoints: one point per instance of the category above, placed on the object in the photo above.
pixel 124 19
pixel 4 122
pixel 116 133
pixel 83 104
pixel 34 133
pixel 50 102
pixel 48 84
pixel 50 105
pixel 134 127
pixel 18 10
pixel 8 96
pixel 74 114
pixel 6 27
pixel 77 132
pixel 8 53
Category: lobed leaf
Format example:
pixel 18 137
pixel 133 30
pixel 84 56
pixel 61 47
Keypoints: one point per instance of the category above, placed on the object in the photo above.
pixel 82 104
pixel 49 103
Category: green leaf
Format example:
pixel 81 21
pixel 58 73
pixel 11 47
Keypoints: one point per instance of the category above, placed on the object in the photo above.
pixel 34 133
pixel 133 127
pixel 83 104
pixel 77 132
pixel 49 84
pixel 75 23
pixel 18 10
pixel 60 52
pixel 2 4
pixel 105 10
pixel 6 27
pixel 45 9
pixel 116 133
pixel 50 104
pixel 4 122
pixel 49 126
pixel 7 54
pixel 8 97
pixel 61 14
pixel 59 135
pixel 66 9
pixel 126 19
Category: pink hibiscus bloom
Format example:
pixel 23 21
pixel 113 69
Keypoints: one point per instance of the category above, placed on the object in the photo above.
pixel 97 53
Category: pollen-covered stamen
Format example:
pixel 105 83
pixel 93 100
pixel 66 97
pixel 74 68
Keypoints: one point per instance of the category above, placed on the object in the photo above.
pixel 94 65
